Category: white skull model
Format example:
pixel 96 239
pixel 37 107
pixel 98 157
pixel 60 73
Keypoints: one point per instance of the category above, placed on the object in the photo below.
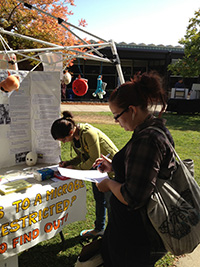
pixel 31 158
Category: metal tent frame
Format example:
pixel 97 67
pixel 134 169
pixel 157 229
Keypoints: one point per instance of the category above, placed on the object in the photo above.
pixel 91 50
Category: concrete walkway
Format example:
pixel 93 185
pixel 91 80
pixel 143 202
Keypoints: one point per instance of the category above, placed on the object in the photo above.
pixel 87 107
pixel 189 260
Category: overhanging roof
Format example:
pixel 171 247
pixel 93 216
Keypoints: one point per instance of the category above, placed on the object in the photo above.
pixel 150 47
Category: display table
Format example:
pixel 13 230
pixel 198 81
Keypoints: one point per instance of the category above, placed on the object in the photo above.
pixel 183 105
pixel 38 213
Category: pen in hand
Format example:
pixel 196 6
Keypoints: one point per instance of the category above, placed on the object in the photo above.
pixel 102 162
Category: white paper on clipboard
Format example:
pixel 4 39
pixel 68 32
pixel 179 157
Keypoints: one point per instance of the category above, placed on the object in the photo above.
pixel 86 175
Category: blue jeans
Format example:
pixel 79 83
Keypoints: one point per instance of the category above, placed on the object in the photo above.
pixel 102 202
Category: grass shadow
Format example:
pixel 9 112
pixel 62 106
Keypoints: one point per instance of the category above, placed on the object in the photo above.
pixel 182 122
pixel 51 254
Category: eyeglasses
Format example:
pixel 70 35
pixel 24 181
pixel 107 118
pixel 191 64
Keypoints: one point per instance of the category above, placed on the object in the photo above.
pixel 119 115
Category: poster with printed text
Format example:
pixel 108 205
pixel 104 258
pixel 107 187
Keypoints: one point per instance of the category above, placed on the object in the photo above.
pixel 26 117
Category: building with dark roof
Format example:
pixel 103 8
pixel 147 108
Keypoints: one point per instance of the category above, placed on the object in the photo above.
pixel 133 58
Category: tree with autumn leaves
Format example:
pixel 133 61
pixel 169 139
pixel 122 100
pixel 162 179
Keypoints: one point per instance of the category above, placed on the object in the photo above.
pixel 15 17
pixel 189 65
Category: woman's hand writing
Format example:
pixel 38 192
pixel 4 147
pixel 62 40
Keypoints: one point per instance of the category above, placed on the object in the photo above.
pixel 103 164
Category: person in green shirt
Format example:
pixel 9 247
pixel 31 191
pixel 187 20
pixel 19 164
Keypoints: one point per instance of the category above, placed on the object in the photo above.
pixel 89 143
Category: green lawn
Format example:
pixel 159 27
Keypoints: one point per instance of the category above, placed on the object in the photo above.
pixel 186 133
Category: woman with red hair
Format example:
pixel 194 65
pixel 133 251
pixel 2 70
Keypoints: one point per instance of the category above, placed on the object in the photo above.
pixel 146 156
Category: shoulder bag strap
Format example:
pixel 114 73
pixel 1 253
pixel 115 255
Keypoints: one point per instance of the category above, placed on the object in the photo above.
pixel 164 134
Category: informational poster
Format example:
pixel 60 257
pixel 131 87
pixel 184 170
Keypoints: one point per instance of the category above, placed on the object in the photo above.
pixel 45 109
pixel 26 117
pixel 15 135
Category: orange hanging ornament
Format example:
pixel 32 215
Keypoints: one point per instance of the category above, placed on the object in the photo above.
pixel 10 84
pixel 80 86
